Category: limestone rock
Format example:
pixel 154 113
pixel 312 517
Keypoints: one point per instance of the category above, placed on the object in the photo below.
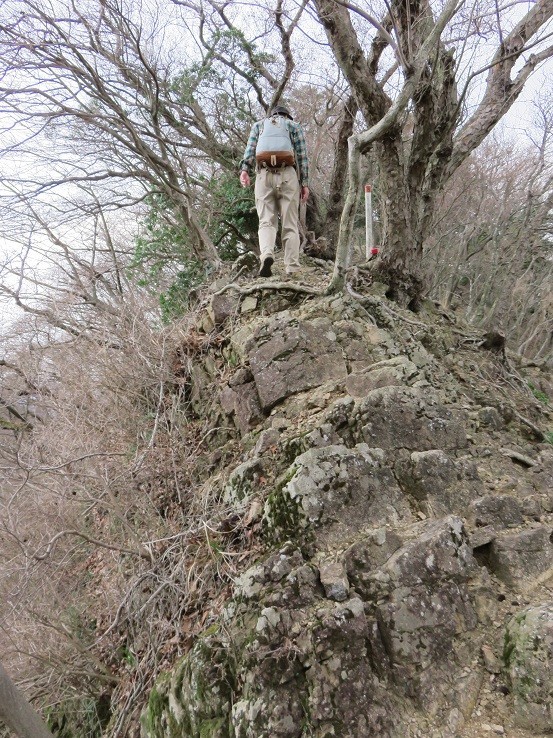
pixel 365 557
pixel 521 559
pixel 531 506
pixel 407 417
pixel 242 403
pixel 357 344
pixel 481 537
pixel 222 307
pixel 266 440
pixel 490 417
pixel 194 698
pixel 435 551
pixel 201 382
pixel 427 609
pixel 543 473
pixel 337 489
pixel 441 484
pixel 334 580
pixel 398 371
pixel 242 484
pixel 369 597
pixel 249 304
pixel 501 511
pixel 289 356
pixel 242 375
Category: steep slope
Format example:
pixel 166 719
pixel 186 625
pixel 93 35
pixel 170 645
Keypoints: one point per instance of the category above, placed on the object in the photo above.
pixel 396 477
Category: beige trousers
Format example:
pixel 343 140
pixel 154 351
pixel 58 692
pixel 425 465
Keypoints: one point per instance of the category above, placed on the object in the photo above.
pixel 277 193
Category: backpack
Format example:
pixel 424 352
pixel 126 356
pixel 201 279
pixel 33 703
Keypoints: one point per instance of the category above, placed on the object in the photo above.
pixel 274 147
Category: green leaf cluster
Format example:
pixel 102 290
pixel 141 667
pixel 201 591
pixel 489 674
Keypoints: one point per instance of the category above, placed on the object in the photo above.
pixel 163 256
pixel 229 49
pixel 174 301
pixel 233 219
pixel 538 394
pixel 164 261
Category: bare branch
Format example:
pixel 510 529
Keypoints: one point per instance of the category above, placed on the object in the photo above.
pixel 142 553
pixel 501 91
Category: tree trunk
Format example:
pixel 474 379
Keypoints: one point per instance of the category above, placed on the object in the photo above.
pixel 347 220
pixel 402 192
pixel 17 713
pixel 339 174
pixel 412 174
pixel 400 258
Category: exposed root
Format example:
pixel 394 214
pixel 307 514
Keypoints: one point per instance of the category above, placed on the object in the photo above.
pixel 269 286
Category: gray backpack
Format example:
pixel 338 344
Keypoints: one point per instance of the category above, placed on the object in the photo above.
pixel 274 147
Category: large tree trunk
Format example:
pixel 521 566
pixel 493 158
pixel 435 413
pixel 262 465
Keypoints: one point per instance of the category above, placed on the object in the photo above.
pixel 412 172
pixel 404 194
pixel 412 177
pixel 17 713
pixel 401 248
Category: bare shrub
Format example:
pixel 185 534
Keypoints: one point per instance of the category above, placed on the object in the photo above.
pixel 490 255
pixel 109 536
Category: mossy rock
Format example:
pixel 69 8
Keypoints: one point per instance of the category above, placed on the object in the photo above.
pixel 283 519
pixel 215 728
pixel 157 719
pixel 242 483
pixel 528 657
pixel 193 700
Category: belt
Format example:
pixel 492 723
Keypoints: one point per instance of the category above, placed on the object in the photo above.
pixel 273 169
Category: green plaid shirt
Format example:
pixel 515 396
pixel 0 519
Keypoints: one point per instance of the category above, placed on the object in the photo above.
pixel 248 163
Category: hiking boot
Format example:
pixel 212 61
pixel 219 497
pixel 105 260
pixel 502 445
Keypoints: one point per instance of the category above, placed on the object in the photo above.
pixel 266 265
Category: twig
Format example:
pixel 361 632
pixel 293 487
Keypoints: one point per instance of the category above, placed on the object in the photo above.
pixel 238 274
pixel 375 302
pixel 67 463
pixel 526 460
pixel 534 428
pixel 120 608
pixel 143 553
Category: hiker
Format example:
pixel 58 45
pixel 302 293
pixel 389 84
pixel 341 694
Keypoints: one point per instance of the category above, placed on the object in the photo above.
pixel 276 148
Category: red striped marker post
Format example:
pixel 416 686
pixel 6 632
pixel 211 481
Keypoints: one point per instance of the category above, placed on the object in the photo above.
pixel 369 240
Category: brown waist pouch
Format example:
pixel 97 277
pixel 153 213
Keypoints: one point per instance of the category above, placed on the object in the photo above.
pixel 275 159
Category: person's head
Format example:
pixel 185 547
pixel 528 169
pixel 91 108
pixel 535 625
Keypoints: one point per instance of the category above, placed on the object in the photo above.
pixel 282 110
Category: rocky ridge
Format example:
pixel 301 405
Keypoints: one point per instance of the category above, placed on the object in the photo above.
pixel 397 474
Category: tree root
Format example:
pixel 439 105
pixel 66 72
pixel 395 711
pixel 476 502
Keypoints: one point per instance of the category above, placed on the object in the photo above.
pixel 269 286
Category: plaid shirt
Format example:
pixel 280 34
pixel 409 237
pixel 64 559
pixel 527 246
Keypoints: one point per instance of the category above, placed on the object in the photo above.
pixel 248 163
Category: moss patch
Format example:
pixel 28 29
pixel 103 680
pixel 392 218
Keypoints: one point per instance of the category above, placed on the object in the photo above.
pixel 193 699
pixel 283 519
pixel 214 728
